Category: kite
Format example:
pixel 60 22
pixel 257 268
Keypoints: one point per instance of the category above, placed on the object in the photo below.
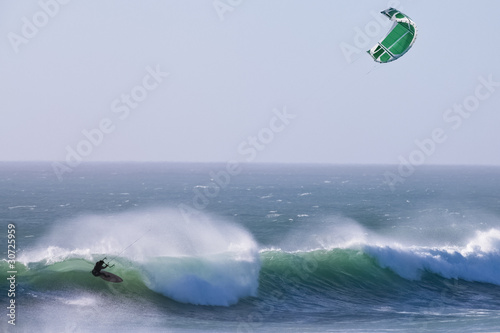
pixel 399 39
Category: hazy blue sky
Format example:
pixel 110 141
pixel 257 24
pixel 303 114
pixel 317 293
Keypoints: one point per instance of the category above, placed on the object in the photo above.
pixel 248 80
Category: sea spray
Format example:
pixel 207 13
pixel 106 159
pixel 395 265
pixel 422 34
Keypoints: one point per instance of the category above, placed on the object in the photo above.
pixel 329 233
pixel 204 261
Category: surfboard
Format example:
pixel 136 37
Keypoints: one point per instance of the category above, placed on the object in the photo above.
pixel 110 277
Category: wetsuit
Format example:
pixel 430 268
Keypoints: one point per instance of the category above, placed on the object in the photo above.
pixel 97 268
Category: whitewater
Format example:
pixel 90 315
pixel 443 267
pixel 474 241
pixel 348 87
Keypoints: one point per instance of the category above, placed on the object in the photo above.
pixel 299 248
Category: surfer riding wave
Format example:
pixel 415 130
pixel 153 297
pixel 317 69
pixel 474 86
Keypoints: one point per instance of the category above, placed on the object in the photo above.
pixel 98 266
pixel 110 277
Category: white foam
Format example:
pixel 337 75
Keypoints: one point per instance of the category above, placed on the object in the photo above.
pixel 478 261
pixel 80 301
pixel 53 254
pixel 31 207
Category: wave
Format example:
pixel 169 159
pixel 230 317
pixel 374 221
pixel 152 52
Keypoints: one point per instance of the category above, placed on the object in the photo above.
pixel 354 276
pixel 202 261
pixel 206 261
pixel 361 265
pixel 478 261
pixel 343 273
pixel 217 280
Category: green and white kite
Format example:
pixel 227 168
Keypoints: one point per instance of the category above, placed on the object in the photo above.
pixel 398 41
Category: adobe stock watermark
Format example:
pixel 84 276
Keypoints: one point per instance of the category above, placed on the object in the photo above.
pixel 31 26
pixel 248 150
pixel 363 38
pixel 122 107
pixel 453 117
pixel 222 7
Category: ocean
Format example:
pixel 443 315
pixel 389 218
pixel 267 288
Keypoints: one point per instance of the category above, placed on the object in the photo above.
pixel 250 248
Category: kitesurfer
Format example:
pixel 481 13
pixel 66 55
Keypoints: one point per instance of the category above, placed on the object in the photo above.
pixel 98 266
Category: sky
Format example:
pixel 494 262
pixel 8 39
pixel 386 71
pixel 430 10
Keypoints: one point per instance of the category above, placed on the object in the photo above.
pixel 281 81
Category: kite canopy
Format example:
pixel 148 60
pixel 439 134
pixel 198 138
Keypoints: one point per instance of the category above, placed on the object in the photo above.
pixel 398 41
